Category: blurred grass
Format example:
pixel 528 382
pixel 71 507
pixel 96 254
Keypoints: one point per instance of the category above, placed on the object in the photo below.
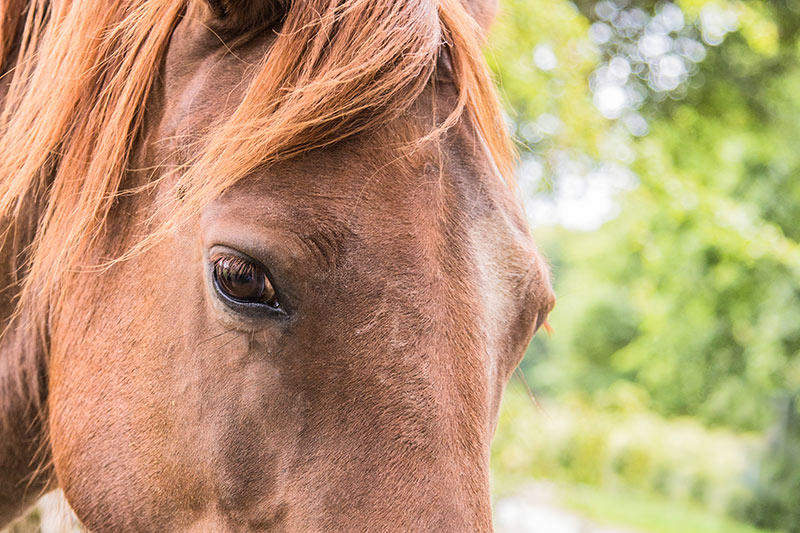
pixel 648 513
pixel 618 463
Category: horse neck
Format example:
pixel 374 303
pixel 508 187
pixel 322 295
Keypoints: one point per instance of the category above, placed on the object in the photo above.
pixel 22 368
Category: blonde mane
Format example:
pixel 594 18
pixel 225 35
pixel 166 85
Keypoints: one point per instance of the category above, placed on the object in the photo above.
pixel 82 72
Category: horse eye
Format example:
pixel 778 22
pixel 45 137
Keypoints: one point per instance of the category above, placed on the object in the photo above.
pixel 243 281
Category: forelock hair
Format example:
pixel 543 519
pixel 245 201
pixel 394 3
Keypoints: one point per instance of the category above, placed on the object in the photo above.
pixel 83 72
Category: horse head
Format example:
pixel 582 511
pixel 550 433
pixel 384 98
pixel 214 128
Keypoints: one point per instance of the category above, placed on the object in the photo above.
pixel 298 304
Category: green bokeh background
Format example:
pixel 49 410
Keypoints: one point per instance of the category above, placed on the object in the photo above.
pixel 668 386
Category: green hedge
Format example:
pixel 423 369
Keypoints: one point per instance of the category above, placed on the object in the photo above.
pixel 621 446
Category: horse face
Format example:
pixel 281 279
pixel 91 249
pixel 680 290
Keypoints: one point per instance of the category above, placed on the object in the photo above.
pixel 323 348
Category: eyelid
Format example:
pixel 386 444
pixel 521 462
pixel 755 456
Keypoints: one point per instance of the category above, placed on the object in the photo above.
pixel 216 256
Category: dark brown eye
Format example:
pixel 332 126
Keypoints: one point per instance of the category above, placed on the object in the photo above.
pixel 242 280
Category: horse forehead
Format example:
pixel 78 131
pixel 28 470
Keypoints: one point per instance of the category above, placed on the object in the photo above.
pixel 362 185
pixel 364 178
pixel 204 77
pixel 412 209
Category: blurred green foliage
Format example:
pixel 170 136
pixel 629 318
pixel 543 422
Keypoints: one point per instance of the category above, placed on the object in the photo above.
pixel 617 443
pixel 648 513
pixel 531 92
pixel 691 295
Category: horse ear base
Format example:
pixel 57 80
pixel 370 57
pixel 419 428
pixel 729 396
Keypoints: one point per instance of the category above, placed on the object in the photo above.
pixel 243 15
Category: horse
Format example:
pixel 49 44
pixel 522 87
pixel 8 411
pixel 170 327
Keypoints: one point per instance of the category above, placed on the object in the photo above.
pixel 264 263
